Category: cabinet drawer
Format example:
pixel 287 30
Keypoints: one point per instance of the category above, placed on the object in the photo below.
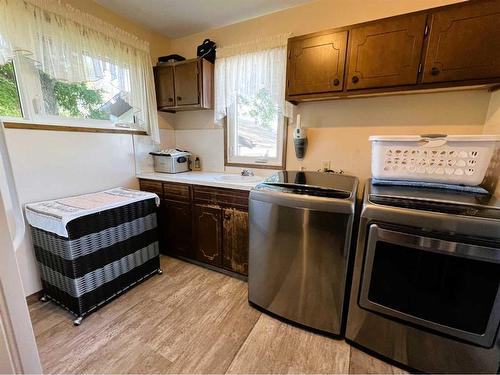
pixel 179 192
pixel 218 196
pixel 152 186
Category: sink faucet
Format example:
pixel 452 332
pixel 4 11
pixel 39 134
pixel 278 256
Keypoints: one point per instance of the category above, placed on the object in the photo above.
pixel 247 172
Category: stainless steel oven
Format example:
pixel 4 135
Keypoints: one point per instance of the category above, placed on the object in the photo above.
pixel 426 283
pixel 443 285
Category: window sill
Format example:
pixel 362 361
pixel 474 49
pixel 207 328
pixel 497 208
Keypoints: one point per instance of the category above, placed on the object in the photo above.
pixel 9 124
pixel 255 165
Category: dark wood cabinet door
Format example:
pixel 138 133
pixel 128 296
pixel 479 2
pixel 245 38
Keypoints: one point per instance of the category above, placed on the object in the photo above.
pixel 208 234
pixel 164 83
pixel 316 63
pixel 235 240
pixel 385 53
pixel 464 43
pixel 187 89
pixel 175 228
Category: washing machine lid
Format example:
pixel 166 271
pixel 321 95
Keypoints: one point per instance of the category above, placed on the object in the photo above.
pixel 437 200
pixel 319 184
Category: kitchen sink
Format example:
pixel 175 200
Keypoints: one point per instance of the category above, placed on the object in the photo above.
pixel 238 178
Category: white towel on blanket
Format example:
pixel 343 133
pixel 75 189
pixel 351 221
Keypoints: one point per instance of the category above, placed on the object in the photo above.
pixel 53 216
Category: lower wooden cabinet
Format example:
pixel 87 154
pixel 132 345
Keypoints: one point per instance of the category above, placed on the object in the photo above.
pixel 207 225
pixel 175 228
pixel 235 240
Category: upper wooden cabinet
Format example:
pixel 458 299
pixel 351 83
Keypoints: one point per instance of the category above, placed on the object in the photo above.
pixel 440 48
pixel 316 63
pixel 187 91
pixel 385 53
pixel 464 43
pixel 164 83
pixel 185 85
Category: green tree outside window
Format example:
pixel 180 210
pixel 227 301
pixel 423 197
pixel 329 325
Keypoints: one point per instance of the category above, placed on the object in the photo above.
pixel 9 97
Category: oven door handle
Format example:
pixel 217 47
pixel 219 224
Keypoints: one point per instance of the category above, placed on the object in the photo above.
pixel 484 253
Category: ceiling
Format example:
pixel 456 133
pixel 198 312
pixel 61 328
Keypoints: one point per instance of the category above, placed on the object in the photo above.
pixel 178 18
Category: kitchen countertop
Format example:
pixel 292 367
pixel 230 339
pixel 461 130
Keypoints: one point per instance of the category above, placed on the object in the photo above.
pixel 215 179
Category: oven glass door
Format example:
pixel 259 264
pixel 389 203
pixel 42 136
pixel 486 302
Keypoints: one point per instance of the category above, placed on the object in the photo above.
pixel 445 286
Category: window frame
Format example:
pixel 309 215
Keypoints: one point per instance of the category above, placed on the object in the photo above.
pixel 250 162
pixel 27 84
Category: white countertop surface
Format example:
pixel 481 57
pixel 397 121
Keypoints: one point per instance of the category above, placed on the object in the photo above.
pixel 215 179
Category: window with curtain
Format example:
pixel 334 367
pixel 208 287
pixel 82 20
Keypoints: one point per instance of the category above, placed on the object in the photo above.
pixel 61 65
pixel 250 101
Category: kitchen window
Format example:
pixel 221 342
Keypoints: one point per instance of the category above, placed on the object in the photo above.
pixel 101 100
pixel 250 102
pixel 255 130
pixel 10 104
pixel 61 66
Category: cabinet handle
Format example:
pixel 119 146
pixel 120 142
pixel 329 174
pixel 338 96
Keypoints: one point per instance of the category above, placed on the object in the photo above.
pixel 179 98
pixel 336 82
pixel 435 71
pixel 170 99
pixel 355 79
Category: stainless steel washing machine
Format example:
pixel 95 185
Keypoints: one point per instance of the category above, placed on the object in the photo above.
pixel 300 233
pixel 426 280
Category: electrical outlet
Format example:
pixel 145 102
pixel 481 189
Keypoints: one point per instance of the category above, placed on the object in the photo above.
pixel 325 165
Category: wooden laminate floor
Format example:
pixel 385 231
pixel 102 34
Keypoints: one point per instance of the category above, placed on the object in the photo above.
pixel 189 320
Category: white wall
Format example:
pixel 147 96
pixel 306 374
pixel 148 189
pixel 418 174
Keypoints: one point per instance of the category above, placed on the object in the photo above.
pixel 208 144
pixel 338 130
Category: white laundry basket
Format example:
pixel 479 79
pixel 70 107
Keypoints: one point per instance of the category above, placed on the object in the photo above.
pixel 457 159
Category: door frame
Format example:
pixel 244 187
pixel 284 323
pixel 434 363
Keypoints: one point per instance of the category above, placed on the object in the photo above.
pixel 19 344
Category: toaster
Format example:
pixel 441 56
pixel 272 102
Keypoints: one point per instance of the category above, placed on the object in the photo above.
pixel 171 161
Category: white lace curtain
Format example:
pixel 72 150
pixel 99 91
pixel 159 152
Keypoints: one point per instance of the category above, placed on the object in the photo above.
pixel 247 68
pixel 71 45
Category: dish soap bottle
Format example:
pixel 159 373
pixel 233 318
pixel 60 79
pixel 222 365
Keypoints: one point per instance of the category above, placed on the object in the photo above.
pixel 197 164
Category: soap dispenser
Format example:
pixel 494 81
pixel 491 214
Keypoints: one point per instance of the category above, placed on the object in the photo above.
pixel 196 164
